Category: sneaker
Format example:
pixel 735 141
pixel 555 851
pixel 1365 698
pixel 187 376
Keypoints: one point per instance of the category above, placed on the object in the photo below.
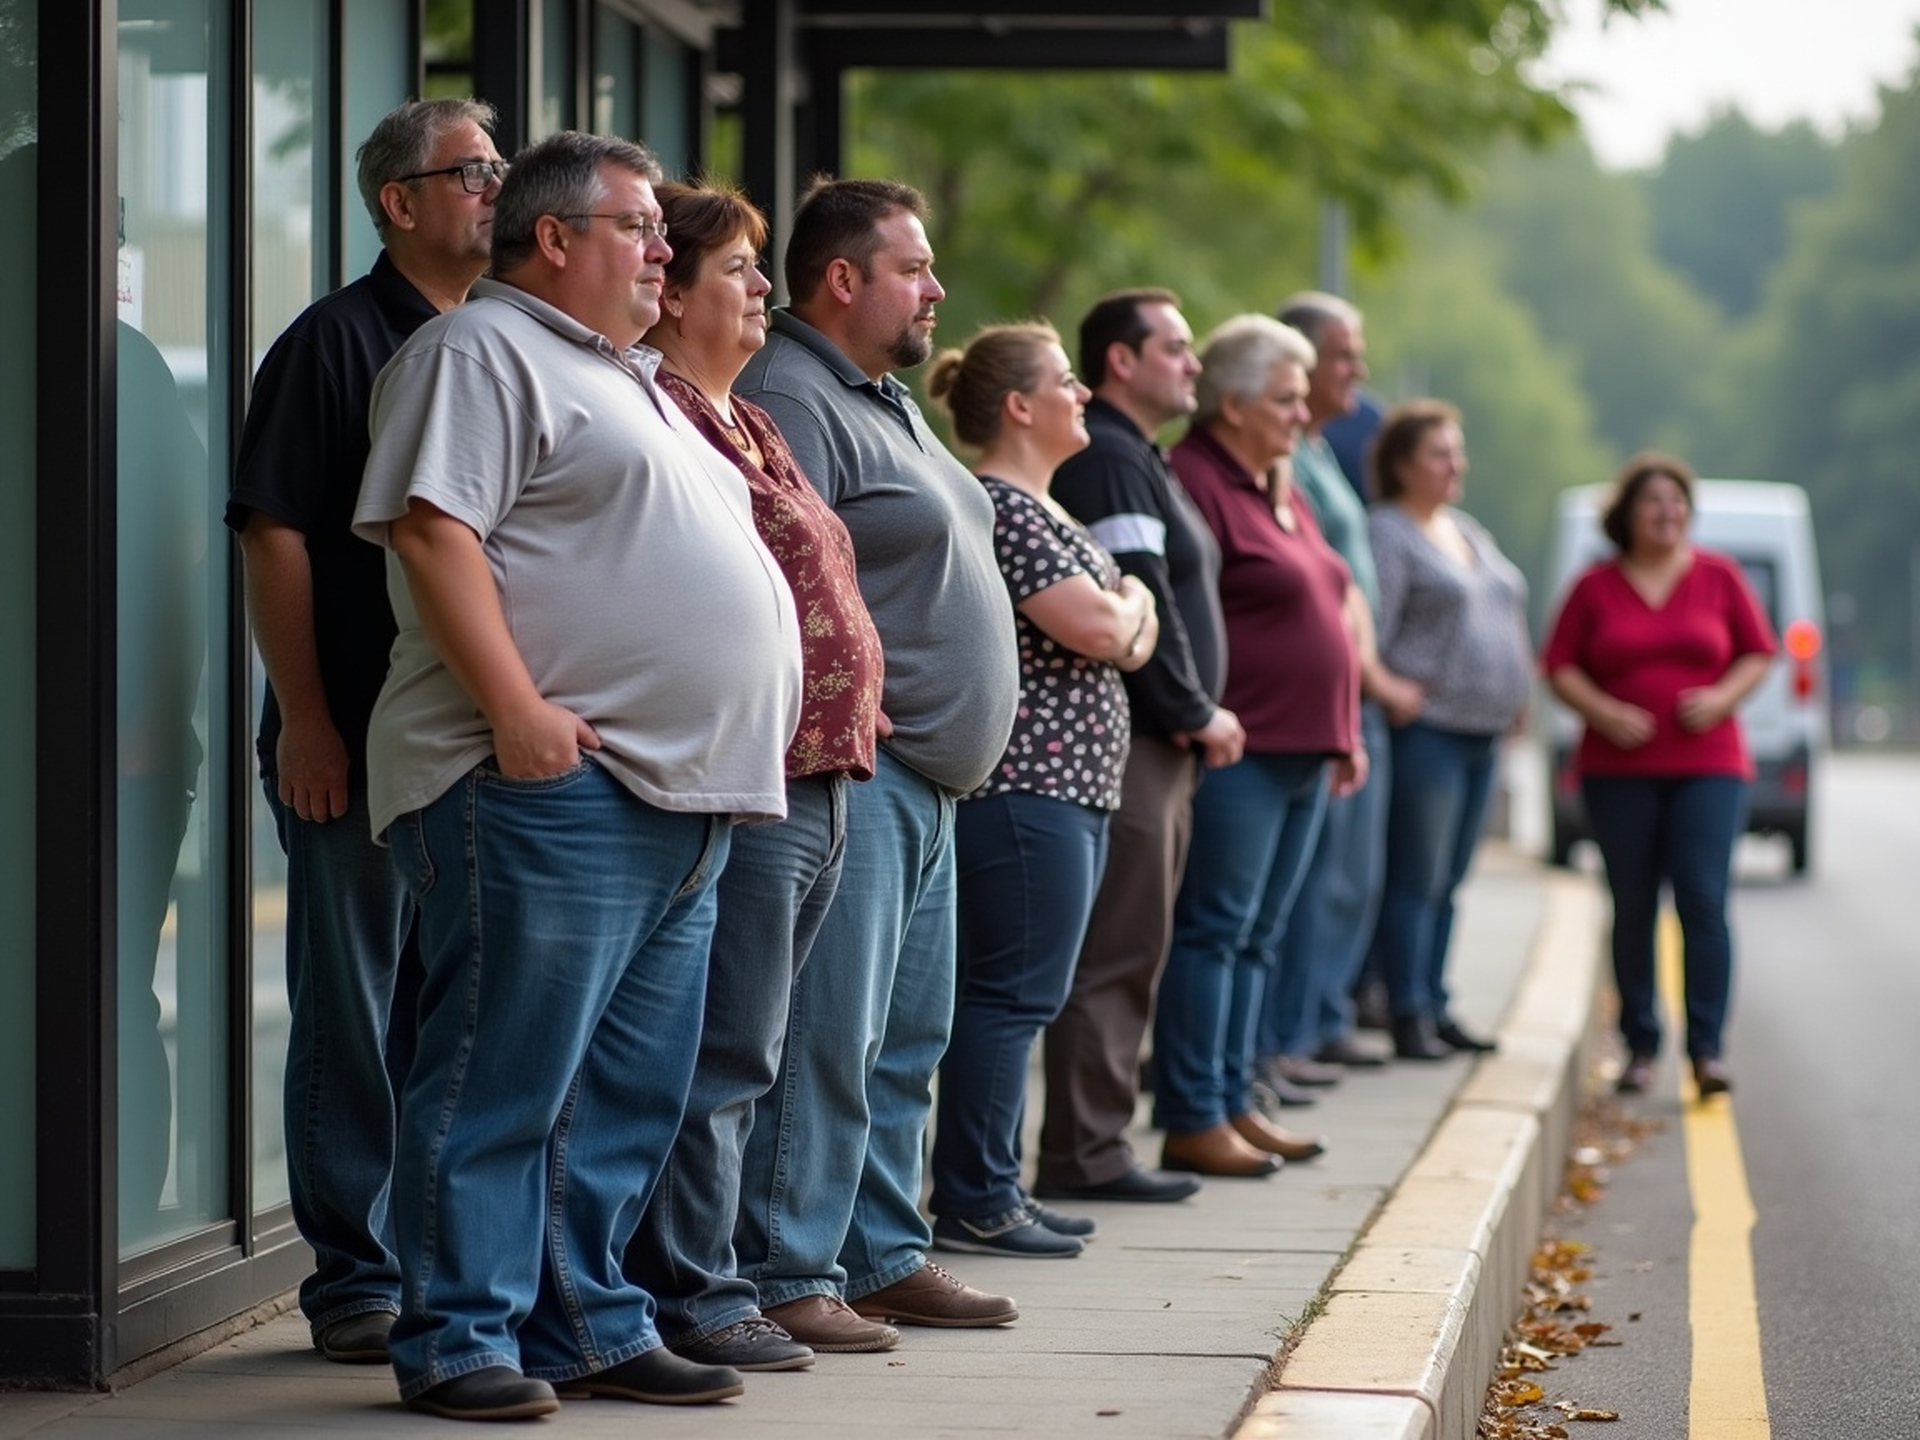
pixel 357 1340
pixel 1078 1226
pixel 1023 1236
pixel 932 1295
pixel 827 1324
pixel 755 1343
pixel 1301 1070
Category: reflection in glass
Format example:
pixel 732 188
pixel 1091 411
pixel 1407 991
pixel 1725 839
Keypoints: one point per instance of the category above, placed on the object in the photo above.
pixel 171 619
pixel 290 207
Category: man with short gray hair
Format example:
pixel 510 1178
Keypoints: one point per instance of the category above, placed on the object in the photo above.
pixel 596 675
pixel 317 599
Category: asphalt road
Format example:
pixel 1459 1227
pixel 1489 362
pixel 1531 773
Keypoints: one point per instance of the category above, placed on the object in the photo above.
pixel 1827 1114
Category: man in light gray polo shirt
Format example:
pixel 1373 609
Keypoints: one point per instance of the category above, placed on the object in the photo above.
pixel 831 1185
pixel 597 672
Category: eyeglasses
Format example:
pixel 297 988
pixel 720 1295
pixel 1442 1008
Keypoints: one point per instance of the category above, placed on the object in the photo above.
pixel 476 176
pixel 631 223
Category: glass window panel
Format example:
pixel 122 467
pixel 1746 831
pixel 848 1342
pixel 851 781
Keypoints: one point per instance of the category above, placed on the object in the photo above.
pixel 666 102
pixel 616 68
pixel 172 619
pixel 291 206
pixel 375 76
pixel 19 213
pixel 553 107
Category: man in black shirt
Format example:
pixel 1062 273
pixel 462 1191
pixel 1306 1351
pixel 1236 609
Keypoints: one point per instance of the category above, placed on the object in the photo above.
pixel 317 597
pixel 1136 353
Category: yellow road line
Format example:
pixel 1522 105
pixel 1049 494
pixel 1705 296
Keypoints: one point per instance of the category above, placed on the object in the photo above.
pixel 1728 1399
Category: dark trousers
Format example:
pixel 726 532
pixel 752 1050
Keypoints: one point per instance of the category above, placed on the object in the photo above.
pixel 1093 1047
pixel 1679 830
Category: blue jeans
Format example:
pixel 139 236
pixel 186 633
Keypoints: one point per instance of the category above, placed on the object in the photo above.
pixel 830 1184
pixel 353 986
pixel 773 895
pixel 1442 781
pixel 1254 827
pixel 564 925
pixel 1679 829
pixel 1309 997
pixel 1028 868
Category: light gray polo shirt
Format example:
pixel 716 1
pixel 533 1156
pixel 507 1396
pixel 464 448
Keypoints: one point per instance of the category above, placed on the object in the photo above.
pixel 922 530
pixel 623 549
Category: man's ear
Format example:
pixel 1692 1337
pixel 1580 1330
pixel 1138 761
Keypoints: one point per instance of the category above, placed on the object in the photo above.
pixel 841 280
pixel 396 199
pixel 1121 358
pixel 551 236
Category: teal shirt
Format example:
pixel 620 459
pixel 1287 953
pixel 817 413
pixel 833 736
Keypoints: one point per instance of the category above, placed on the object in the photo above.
pixel 1341 513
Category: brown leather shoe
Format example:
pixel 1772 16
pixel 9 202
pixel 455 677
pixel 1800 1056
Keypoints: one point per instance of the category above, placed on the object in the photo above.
pixel 828 1323
pixel 1262 1134
pixel 1217 1151
pixel 932 1295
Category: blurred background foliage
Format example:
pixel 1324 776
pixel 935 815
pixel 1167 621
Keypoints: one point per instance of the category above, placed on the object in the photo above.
pixel 1752 302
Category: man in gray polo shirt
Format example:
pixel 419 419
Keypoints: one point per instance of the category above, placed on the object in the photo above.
pixel 831 1184
pixel 596 673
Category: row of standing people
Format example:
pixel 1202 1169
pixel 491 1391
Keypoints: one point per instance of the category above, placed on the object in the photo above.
pixel 607 650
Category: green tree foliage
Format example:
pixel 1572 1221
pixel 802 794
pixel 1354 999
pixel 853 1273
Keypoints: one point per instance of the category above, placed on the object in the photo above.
pixel 1050 188
pixel 1720 201
pixel 1824 387
pixel 1443 327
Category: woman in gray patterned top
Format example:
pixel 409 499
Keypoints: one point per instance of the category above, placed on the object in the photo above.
pixel 1452 621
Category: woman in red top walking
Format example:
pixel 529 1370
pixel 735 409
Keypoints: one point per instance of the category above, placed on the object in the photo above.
pixel 1655 650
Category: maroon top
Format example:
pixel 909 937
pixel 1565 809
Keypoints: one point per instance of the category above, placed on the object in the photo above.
pixel 1293 676
pixel 1647 656
pixel 839 648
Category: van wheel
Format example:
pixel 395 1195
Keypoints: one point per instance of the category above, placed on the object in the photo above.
pixel 1797 843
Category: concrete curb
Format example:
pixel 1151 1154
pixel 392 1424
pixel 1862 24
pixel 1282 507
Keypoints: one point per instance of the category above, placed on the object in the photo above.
pixel 1414 1320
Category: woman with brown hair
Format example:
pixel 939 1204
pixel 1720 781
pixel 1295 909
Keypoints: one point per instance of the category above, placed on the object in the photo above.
pixel 1655 649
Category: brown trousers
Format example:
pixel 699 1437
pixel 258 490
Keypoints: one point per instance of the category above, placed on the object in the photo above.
pixel 1093 1048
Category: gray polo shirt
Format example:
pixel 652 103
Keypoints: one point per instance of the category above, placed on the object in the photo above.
pixel 624 553
pixel 922 530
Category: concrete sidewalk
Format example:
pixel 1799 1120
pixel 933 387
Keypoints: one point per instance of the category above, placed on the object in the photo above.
pixel 1403 1251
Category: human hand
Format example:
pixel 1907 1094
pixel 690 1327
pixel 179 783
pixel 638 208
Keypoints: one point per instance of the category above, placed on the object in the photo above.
pixel 540 739
pixel 1627 726
pixel 1222 740
pixel 1702 708
pixel 310 759
pixel 1350 772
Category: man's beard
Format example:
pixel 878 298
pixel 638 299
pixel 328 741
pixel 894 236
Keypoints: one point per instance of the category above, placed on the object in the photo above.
pixel 909 349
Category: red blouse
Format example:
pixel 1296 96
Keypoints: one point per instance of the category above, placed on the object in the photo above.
pixel 1647 655
pixel 839 648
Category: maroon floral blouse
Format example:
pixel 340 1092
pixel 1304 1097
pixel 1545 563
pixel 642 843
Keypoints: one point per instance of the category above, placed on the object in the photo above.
pixel 839 648
pixel 1072 730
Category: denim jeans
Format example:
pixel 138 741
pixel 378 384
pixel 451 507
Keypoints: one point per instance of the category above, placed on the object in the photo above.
pixel 1028 867
pixel 830 1183
pixel 564 925
pixel 353 986
pixel 1442 780
pixel 772 896
pixel 1254 827
pixel 1679 829
pixel 1309 997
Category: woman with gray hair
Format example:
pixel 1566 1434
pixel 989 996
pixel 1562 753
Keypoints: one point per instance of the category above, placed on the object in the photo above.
pixel 1293 679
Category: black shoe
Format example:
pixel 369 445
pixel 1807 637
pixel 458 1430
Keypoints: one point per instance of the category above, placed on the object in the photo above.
pixel 1147 1187
pixel 755 1343
pixel 1637 1078
pixel 1273 1093
pixel 1414 1039
pixel 656 1377
pixel 1078 1226
pixel 1345 1050
pixel 498 1392
pixel 1711 1076
pixel 357 1340
pixel 1024 1237
pixel 1448 1032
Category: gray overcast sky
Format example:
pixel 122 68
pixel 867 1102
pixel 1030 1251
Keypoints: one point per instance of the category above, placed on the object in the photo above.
pixel 1777 60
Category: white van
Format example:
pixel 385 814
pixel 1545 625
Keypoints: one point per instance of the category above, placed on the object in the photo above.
pixel 1767 528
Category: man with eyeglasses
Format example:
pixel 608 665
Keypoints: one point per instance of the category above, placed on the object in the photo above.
pixel 596 675
pixel 317 598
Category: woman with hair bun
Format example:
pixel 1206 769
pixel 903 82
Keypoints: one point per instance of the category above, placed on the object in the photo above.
pixel 1030 843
